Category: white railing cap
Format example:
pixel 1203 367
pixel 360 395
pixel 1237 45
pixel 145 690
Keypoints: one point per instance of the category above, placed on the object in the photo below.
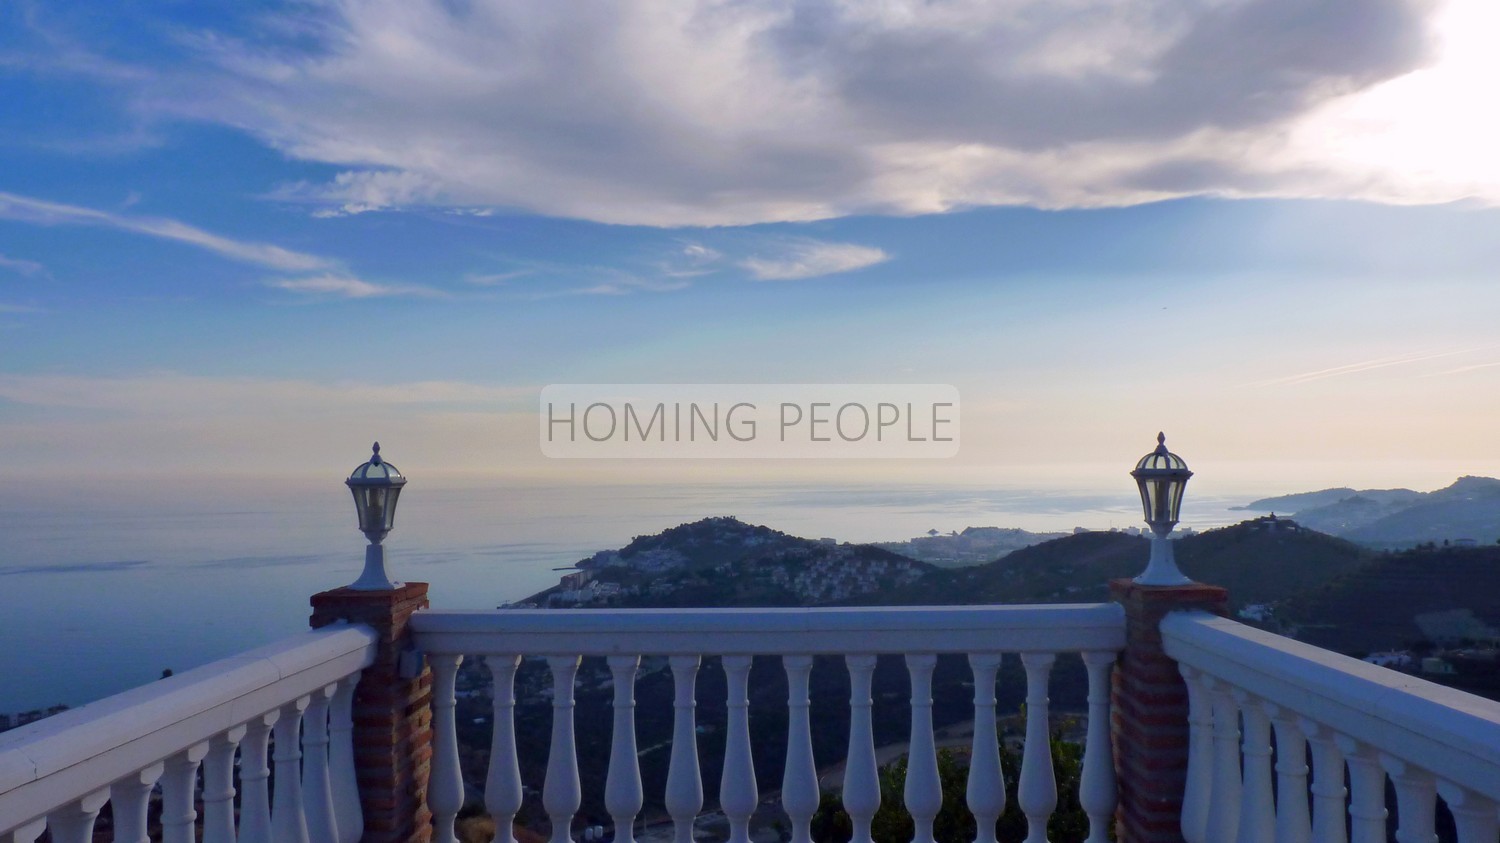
pixel 817 630
pixel 1446 731
pixel 128 731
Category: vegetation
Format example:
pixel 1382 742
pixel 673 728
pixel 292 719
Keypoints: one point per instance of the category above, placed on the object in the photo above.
pixel 954 823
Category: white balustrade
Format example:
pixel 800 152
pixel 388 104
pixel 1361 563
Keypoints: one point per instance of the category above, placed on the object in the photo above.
pixel 218 786
pixel 255 780
pixel 57 774
pixel 1476 817
pixel 799 784
pixel 1328 789
pixel 1037 792
pixel 179 784
pixel 445 783
pixel 1293 824
pixel 317 779
pixel 1374 723
pixel 502 786
pixel 1416 800
pixel 623 795
pixel 288 819
pixel 738 794
pixel 684 797
pixel 561 793
pixel 1257 804
pixel 1224 798
pixel 1096 787
pixel 128 799
pixel 1199 784
pixel 986 787
pixel 858 635
pixel 348 816
pixel 923 793
pixel 861 778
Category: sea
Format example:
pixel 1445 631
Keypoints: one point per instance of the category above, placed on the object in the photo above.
pixel 105 589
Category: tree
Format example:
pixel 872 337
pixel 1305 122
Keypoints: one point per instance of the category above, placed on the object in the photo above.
pixel 955 823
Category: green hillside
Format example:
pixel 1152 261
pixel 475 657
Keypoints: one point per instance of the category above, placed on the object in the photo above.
pixel 1377 606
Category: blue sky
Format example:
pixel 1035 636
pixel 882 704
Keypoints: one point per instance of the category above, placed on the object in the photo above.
pixel 249 237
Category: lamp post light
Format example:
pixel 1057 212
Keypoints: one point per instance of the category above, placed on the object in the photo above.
pixel 1161 476
pixel 376 486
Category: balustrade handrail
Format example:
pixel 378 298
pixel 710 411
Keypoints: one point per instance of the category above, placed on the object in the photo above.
pixel 1442 729
pixel 809 631
pixel 48 763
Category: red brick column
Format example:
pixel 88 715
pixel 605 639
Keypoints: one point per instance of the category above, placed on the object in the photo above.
pixel 1150 706
pixel 392 715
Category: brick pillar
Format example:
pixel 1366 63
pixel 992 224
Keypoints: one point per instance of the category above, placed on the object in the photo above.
pixel 392 715
pixel 1149 701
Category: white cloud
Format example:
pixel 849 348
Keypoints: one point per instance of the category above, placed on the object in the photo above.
pixel 42 212
pixel 698 112
pixel 24 267
pixel 346 287
pixel 812 258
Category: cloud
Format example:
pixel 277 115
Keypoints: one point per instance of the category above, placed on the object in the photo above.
pixel 156 394
pixel 42 212
pixel 698 112
pixel 1370 365
pixel 346 287
pixel 812 258
pixel 24 267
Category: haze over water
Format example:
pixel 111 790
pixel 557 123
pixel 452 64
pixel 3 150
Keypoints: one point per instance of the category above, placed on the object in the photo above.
pixel 103 594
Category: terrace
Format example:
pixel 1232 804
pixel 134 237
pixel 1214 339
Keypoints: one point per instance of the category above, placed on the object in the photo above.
pixel 1199 728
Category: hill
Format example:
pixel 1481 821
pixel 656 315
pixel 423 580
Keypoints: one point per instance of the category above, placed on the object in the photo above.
pixel 1387 603
pixel 1469 508
pixel 1260 561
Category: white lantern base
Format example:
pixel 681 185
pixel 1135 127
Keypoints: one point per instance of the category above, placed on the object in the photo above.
pixel 1162 569
pixel 374 578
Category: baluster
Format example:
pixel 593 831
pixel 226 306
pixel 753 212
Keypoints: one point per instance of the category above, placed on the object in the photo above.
pixel 348 815
pixel 861 779
pixel 128 799
pixel 74 822
pixel 27 833
pixel 218 786
pixel 1257 804
pixel 1366 792
pixel 288 817
pixel 684 797
pixel 1199 788
pixel 560 792
pixel 738 793
pixel 317 781
pixel 1474 815
pixel 1224 797
pixel 1096 789
pixel 1037 792
pixel 923 793
pixel 178 787
pixel 986 788
pixel 502 785
pixel 1328 783
pixel 445 785
pixel 255 798
pixel 1292 822
pixel 1416 800
pixel 623 796
pixel 799 783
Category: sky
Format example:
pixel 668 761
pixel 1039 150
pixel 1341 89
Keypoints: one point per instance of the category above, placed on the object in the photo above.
pixel 245 239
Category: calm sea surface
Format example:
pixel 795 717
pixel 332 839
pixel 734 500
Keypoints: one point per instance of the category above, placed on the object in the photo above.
pixel 101 592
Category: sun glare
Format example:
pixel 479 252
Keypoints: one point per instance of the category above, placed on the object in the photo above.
pixel 1429 135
